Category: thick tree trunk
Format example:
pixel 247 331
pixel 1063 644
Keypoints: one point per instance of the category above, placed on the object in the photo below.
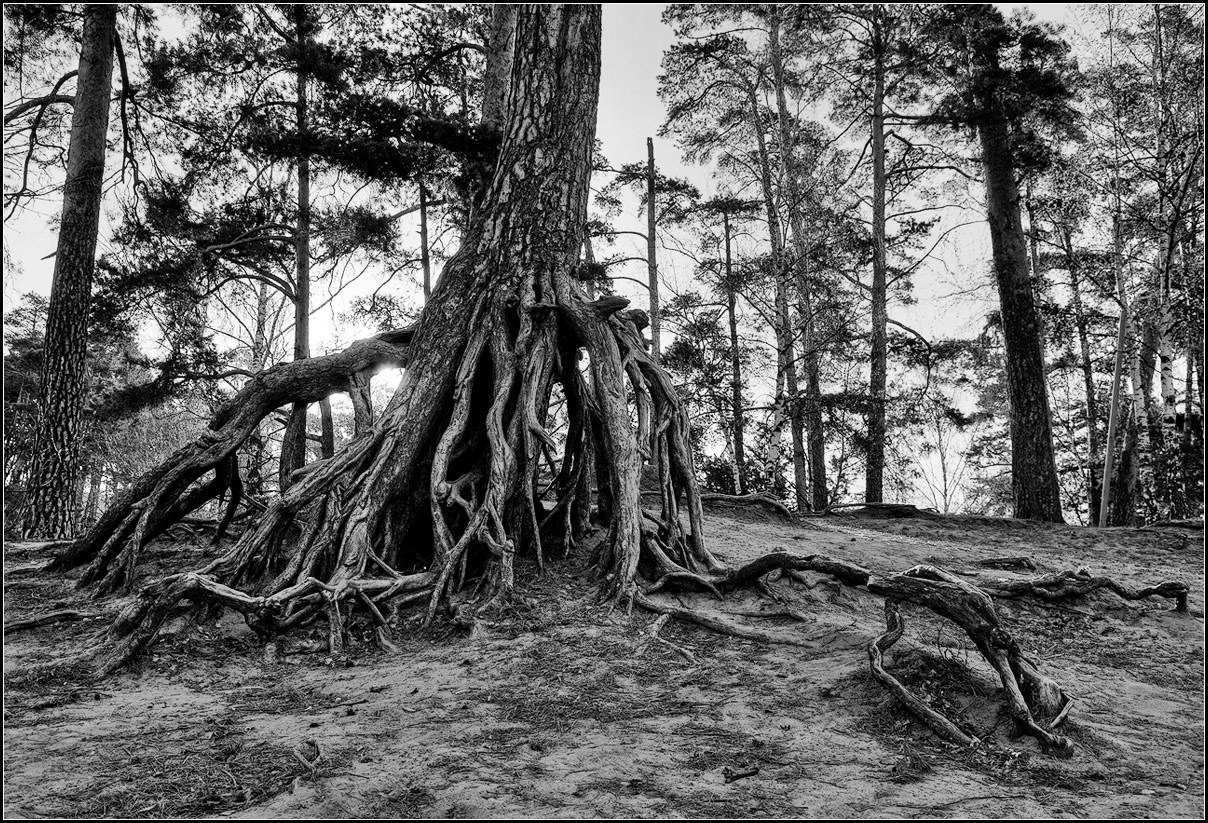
pixel 874 468
pixel 1034 486
pixel 443 482
pixel 52 478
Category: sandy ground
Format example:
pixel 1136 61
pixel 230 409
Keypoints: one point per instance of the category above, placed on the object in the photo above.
pixel 566 710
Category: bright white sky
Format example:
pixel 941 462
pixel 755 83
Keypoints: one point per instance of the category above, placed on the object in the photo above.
pixel 634 39
pixel 953 290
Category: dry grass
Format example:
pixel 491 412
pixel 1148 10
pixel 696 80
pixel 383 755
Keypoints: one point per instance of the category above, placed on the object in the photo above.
pixel 208 776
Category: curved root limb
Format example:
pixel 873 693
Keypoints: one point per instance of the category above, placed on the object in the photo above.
pixel 1028 693
pixel 1078 582
pixel 894 628
pixel 138 625
pixel 168 493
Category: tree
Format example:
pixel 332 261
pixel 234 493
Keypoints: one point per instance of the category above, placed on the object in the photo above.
pixel 1011 77
pixel 443 484
pixel 49 504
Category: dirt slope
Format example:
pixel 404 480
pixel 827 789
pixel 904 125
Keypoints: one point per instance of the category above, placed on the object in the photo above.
pixel 567 710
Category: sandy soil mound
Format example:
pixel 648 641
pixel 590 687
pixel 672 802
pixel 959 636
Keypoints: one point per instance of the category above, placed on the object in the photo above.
pixel 567 709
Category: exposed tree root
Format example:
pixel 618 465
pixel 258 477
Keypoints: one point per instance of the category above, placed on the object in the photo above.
pixel 463 469
pixel 1036 703
pixel 894 628
pixel 168 493
pixel 470 464
pixel 748 500
pixel 1078 582
pixel 1029 694
pixel 60 616
pixel 886 510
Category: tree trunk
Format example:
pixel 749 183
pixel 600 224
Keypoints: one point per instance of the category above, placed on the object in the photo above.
pixel 443 482
pixel 52 478
pixel 255 451
pixel 327 435
pixel 652 265
pixel 1086 362
pixel 424 259
pixel 738 419
pixel 786 374
pixel 874 483
pixel 94 496
pixel 1034 486
pixel 293 444
pixel 812 413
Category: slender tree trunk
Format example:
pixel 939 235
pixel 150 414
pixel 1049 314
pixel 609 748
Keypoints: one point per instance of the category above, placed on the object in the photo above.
pixel 874 484
pixel 791 174
pixel 52 478
pixel 786 373
pixel 94 495
pixel 652 264
pixel 1035 490
pixel 1113 421
pixel 293 444
pixel 738 420
pixel 255 451
pixel 327 429
pixel 424 259
pixel 1088 374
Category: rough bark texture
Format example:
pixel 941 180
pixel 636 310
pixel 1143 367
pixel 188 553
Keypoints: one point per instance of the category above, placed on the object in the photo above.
pixel 808 418
pixel 150 504
pixel 1034 486
pixel 293 444
pixel 738 421
pixel 652 263
pixel 49 501
pixel 874 483
pixel 443 483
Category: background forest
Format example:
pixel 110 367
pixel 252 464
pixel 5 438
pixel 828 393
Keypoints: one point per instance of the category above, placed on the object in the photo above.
pixel 279 181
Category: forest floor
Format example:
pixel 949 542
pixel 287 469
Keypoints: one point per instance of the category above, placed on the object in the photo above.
pixel 564 709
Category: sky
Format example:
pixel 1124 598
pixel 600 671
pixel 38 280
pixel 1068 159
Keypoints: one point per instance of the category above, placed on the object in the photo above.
pixel 954 291
pixel 634 39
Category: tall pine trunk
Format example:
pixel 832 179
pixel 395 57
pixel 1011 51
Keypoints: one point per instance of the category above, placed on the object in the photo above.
pixel 738 420
pixel 811 415
pixel 1034 486
pixel 874 469
pixel 652 264
pixel 52 477
pixel 1095 456
pixel 293 445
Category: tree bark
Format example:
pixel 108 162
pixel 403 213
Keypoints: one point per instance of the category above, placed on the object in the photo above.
pixel 1095 456
pixel 1034 486
pixel 424 259
pixel 811 419
pixel 293 443
pixel 652 265
pixel 738 420
pixel 52 478
pixel 874 483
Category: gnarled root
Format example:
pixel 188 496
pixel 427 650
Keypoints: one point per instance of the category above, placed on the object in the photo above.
pixel 1078 582
pixel 138 625
pixel 894 628
pixel 1028 693
pixel 168 493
